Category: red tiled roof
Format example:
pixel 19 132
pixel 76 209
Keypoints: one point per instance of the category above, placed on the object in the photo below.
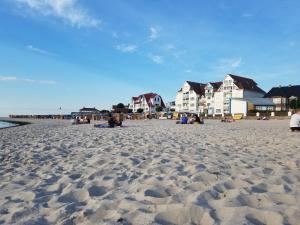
pixel 148 97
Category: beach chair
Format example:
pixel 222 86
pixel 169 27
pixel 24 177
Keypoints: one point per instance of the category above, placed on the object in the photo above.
pixel 238 116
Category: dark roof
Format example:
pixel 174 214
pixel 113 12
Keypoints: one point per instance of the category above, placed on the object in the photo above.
pixel 197 87
pixel 246 83
pixel 286 91
pixel 89 109
pixel 216 85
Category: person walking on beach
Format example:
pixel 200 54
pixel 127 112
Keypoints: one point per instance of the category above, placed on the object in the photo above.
pixel 295 121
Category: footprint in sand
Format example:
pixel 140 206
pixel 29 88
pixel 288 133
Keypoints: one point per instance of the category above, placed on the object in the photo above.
pixel 80 196
pixel 157 192
pixel 264 218
pixel 184 215
pixel 75 176
pixel 96 191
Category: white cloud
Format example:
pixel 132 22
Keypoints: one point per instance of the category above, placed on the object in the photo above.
pixel 7 78
pixel 67 10
pixel 38 81
pixel 156 59
pixel 126 48
pixel 228 65
pixel 235 63
pixel 247 15
pixel 187 71
pixel 170 47
pixel 10 78
pixel 38 50
pixel 115 34
pixel 153 33
pixel 292 43
pixel 46 82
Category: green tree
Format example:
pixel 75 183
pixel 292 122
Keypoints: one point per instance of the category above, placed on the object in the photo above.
pixel 120 106
pixel 158 108
pixel 294 103
pixel 140 110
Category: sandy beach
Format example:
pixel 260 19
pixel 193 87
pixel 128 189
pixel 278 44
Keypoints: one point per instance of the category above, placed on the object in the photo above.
pixel 150 172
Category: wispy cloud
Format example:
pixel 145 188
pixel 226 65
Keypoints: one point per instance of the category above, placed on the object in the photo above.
pixel 6 78
pixel 156 59
pixel 38 50
pixel 126 48
pixel 38 81
pixel 228 65
pixel 235 63
pixel 170 47
pixel 247 15
pixel 292 43
pixel 12 78
pixel 67 10
pixel 187 71
pixel 153 32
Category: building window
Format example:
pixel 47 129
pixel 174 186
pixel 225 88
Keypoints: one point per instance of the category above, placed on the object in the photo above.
pixel 264 108
pixel 192 99
pixel 192 105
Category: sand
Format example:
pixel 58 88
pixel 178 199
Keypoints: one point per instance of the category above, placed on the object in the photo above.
pixel 151 172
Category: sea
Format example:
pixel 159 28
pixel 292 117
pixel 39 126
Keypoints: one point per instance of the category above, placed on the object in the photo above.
pixel 4 124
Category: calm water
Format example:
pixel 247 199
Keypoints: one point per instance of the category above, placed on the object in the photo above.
pixel 6 124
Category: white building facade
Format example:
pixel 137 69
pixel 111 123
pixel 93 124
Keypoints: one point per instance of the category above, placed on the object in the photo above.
pixel 214 98
pixel 235 87
pixel 147 102
pixel 188 97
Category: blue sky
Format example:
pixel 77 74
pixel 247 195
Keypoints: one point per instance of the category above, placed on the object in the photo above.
pixel 69 54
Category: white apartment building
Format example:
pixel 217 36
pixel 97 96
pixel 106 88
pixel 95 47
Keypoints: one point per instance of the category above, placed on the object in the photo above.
pixel 210 89
pixel 235 87
pixel 188 97
pixel 148 102
pixel 214 98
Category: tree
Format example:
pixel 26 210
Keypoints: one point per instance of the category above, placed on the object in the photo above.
pixel 294 103
pixel 104 111
pixel 140 110
pixel 120 106
pixel 158 108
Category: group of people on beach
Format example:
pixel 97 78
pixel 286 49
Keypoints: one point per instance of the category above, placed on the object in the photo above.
pixel 194 119
pixel 81 120
pixel 112 121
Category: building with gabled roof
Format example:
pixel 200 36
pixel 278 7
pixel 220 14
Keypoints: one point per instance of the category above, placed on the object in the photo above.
pixel 214 98
pixel 147 102
pixel 89 110
pixel 187 97
pixel 283 95
pixel 237 87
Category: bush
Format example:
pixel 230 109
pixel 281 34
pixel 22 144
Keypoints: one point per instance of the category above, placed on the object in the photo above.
pixel 158 109
pixel 140 110
pixel 120 106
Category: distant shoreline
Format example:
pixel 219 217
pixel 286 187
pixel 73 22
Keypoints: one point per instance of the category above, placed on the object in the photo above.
pixel 15 123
